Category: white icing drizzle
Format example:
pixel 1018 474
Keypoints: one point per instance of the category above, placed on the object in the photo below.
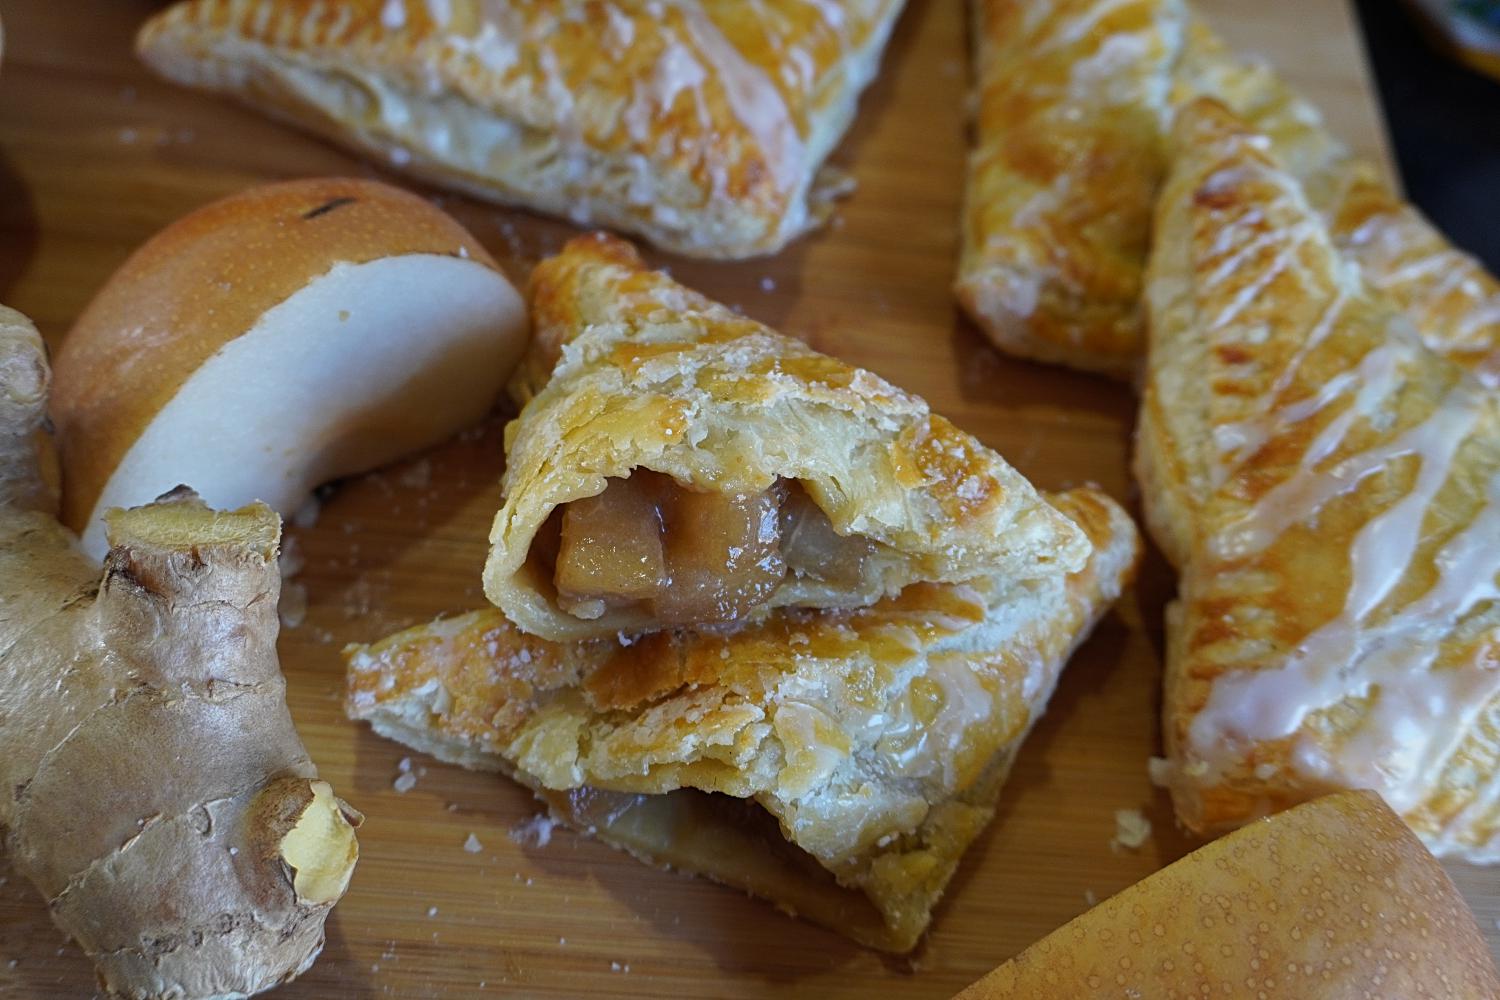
pixel 1383 242
pixel 1424 691
pixel 621 26
pixel 441 12
pixel 1300 497
pixel 1418 714
pixel 393 15
pixel 832 12
pixel 754 99
pixel 677 70
pixel 1071 31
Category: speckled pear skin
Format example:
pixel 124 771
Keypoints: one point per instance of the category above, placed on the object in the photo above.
pixel 202 282
pixel 1332 900
pixel 700 126
pixel 877 738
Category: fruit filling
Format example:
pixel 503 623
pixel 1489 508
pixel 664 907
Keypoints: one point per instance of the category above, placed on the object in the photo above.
pixel 688 556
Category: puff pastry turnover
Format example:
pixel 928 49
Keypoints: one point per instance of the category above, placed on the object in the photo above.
pixel 1330 488
pixel 677 464
pixel 1075 98
pixel 837 763
pixel 701 125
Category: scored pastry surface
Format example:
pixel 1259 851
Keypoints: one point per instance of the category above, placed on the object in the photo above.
pixel 1330 489
pixel 1075 98
pixel 702 126
pixel 1071 99
pixel 876 738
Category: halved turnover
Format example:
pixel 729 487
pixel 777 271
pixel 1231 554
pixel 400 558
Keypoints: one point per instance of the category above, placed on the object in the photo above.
pixel 835 762
pixel 1329 487
pixel 677 464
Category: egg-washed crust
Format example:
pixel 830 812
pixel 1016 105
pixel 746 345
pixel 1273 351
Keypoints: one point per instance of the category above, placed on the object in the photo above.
pixel 1075 99
pixel 1071 99
pixel 651 375
pixel 1333 899
pixel 701 126
pixel 877 737
pixel 1331 491
pixel 1449 296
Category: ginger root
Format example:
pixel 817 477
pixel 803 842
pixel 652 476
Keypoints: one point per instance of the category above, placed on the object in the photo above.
pixel 152 785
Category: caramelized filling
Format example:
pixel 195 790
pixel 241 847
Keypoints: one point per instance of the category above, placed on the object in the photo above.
pixel 690 557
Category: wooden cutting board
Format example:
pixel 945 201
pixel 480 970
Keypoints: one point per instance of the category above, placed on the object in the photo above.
pixel 95 156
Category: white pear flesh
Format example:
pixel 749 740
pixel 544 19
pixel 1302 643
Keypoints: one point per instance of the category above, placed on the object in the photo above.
pixel 362 365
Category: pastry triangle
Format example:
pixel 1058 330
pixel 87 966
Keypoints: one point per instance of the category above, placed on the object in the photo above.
pixel 1074 102
pixel 837 763
pixel 701 126
pixel 1330 488
pixel 677 464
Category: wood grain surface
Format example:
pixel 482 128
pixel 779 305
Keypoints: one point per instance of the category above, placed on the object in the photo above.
pixel 95 156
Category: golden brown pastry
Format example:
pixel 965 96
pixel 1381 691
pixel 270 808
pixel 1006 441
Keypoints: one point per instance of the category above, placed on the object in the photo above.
pixel 1075 98
pixel 1453 301
pixel 1332 900
pixel 1448 294
pixel 702 126
pixel 687 466
pixel 837 763
pixel 1330 489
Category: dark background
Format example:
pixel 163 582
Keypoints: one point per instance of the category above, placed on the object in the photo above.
pixel 1444 122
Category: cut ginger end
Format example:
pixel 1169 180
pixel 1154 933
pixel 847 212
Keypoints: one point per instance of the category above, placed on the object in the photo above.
pixel 320 848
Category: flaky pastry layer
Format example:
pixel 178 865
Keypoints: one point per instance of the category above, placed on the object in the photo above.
pixel 701 126
pixel 1330 489
pixel 630 370
pixel 877 738
pixel 1075 98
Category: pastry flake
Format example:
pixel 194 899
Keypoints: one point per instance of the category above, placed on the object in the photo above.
pixel 1330 488
pixel 678 464
pixel 835 762
pixel 702 126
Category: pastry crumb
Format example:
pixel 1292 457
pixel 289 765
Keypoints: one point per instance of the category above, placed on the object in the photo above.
pixel 306 515
pixel 472 845
pixel 405 779
pixel 1090 898
pixel 1132 829
pixel 418 475
pixel 292 607
pixel 619 966
pixel 290 560
pixel 537 830
pixel 1160 770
